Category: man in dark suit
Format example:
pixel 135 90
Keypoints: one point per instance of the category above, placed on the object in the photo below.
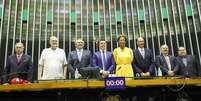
pixel 18 65
pixel 166 63
pixel 103 60
pixel 79 62
pixel 188 64
pixel 143 60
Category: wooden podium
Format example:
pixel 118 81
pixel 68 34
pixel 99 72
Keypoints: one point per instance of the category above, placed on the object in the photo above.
pixel 85 84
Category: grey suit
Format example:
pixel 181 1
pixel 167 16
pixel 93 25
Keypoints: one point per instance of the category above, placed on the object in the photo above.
pixel 192 69
pixel 22 69
pixel 161 62
pixel 83 66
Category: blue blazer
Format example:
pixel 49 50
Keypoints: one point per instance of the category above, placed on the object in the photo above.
pixel 144 65
pixel 161 62
pixel 97 61
pixel 23 69
pixel 192 69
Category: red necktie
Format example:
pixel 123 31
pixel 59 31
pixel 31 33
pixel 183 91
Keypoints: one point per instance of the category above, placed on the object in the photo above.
pixel 18 58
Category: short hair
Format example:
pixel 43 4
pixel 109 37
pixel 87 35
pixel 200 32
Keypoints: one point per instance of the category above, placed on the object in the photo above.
pixel 122 36
pixel 139 38
pixel 78 39
pixel 19 43
pixel 101 40
pixel 52 38
pixel 181 47
pixel 98 42
pixel 164 45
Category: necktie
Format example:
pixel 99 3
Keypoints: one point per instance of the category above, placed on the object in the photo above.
pixel 18 58
pixel 103 60
pixel 79 55
pixel 184 61
pixel 142 52
pixel 168 62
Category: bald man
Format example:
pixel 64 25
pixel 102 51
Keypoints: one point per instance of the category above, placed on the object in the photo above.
pixel 52 63
pixel 188 64
pixel 166 62
pixel 18 65
pixel 144 61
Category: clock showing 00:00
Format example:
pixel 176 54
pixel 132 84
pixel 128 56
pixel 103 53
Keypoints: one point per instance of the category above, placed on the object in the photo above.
pixel 115 82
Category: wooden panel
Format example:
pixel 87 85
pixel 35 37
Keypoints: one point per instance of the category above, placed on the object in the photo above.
pixel 77 84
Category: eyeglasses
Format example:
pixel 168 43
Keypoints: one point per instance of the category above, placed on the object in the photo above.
pixel 18 47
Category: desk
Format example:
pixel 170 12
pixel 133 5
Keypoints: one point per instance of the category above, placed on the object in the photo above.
pixel 82 84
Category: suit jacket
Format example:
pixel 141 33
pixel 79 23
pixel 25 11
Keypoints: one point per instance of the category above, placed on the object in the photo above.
pixel 161 62
pixel 23 69
pixel 145 64
pixel 73 61
pixel 192 69
pixel 97 61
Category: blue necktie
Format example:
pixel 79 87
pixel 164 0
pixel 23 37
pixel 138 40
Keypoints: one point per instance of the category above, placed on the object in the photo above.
pixel 184 61
pixel 79 55
pixel 103 59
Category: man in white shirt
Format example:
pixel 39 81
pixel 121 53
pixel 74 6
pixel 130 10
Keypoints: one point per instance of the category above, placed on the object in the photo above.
pixel 52 64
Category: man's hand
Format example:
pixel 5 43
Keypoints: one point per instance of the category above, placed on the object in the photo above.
pixel 145 74
pixel 142 74
pixel 171 73
pixel 6 84
pixel 105 74
pixel 40 70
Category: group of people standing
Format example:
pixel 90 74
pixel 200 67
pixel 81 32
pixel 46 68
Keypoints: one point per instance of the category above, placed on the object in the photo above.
pixel 122 62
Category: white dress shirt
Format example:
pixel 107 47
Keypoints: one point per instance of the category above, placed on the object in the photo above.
pixel 142 52
pixel 167 59
pixel 79 53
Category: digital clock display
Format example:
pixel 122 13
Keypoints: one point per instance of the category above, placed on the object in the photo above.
pixel 115 83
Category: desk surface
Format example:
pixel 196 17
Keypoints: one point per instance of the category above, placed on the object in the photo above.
pixel 82 84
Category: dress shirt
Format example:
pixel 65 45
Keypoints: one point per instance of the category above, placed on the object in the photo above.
pixel 167 59
pixel 184 61
pixel 19 57
pixel 142 52
pixel 53 62
pixel 79 53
